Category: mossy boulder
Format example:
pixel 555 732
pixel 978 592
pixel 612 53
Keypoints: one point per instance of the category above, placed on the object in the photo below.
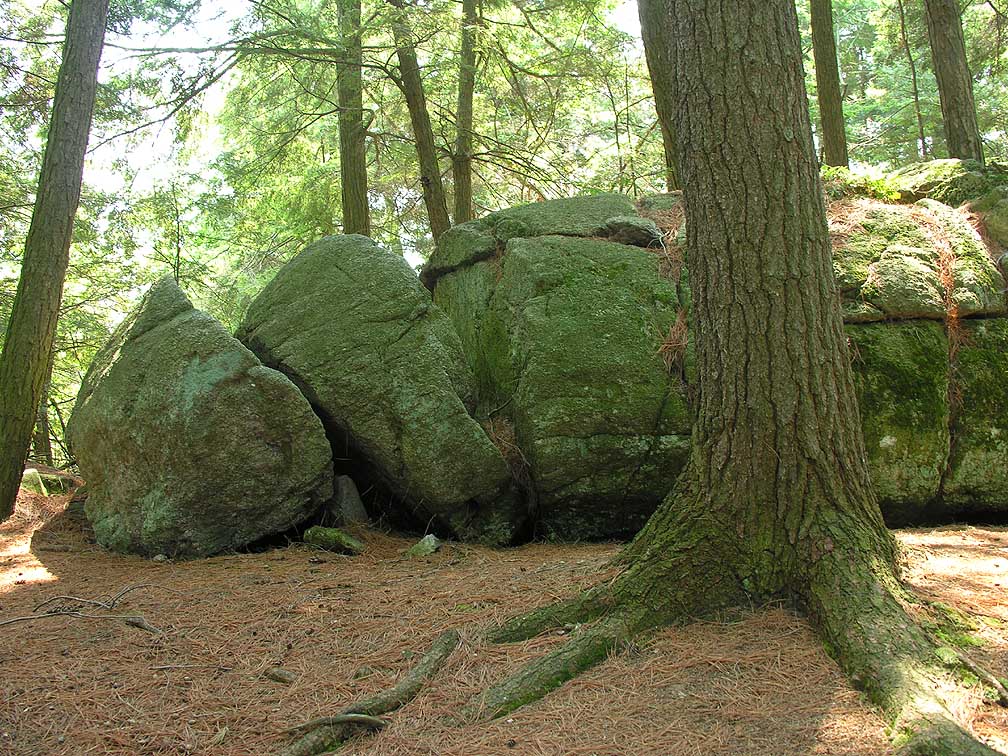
pixel 350 324
pixel 902 378
pixel 920 261
pixel 978 287
pixel 564 335
pixel 951 181
pixel 977 480
pixel 189 445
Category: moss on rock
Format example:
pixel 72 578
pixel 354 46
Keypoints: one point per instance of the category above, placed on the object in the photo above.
pixel 951 181
pixel 901 375
pixel 383 366
pixel 978 471
pixel 189 445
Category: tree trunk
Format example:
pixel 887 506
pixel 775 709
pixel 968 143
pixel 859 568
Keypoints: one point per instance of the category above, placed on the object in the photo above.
pixel 462 159
pixel 913 80
pixel 827 72
pixel 42 441
pixel 775 501
pixel 955 84
pixel 416 102
pixel 40 288
pixel 350 98
pixel 655 25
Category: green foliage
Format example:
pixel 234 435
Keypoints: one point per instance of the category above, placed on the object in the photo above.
pixel 841 182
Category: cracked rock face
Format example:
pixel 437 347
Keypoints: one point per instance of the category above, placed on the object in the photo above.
pixel 563 334
pixel 189 446
pixel 349 323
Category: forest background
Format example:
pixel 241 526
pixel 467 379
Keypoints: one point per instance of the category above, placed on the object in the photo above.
pixel 214 153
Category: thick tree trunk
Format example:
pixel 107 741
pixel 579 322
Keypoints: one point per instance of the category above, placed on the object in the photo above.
pixel 775 501
pixel 40 288
pixel 655 26
pixel 955 84
pixel 827 72
pixel 922 141
pixel 462 159
pixel 353 149
pixel 423 134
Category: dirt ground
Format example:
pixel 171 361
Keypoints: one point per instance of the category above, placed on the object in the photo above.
pixel 349 627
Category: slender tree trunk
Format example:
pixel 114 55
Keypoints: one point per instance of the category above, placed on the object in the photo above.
pixel 42 441
pixel 655 27
pixel 827 71
pixel 913 81
pixel 462 159
pixel 955 83
pixel 40 288
pixel 423 134
pixel 353 148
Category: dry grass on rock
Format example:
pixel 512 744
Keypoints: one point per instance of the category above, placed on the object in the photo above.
pixel 349 627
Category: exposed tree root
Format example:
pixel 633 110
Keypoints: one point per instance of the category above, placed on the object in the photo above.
pixel 851 594
pixel 328 733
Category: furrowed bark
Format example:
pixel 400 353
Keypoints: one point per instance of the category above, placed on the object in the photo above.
pixel 32 326
pixel 654 19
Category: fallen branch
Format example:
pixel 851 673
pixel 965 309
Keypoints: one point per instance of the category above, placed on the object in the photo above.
pixel 133 620
pixel 326 733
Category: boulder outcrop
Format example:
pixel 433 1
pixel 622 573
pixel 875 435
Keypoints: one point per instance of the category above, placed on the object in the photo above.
pixel 189 445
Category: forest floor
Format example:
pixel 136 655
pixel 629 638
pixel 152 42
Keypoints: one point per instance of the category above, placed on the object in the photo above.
pixel 351 626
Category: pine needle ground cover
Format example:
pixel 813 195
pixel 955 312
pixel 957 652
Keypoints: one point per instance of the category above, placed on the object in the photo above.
pixel 348 627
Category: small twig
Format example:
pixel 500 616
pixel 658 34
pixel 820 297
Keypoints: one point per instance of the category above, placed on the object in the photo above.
pixel 985 676
pixel 110 603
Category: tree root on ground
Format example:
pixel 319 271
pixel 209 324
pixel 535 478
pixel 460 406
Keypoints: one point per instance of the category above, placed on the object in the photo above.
pixel 327 733
pixel 853 599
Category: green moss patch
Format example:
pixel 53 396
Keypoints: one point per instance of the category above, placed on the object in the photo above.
pixel 901 376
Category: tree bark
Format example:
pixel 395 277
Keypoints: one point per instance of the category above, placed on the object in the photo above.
pixel 423 134
pixel 827 72
pixel 775 501
pixel 922 140
pixel 655 25
pixel 462 159
pixel 350 98
pixel 955 83
pixel 32 326
pixel 42 440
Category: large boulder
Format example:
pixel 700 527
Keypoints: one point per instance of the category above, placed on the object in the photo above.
pixel 190 446
pixel 352 326
pixel 565 337
pixel 918 261
pixel 578 346
pixel 951 181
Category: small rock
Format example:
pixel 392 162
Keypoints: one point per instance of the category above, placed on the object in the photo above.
pixel 426 546
pixel 333 539
pixel 160 558
pixel 634 231
pixel 347 502
pixel 284 676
